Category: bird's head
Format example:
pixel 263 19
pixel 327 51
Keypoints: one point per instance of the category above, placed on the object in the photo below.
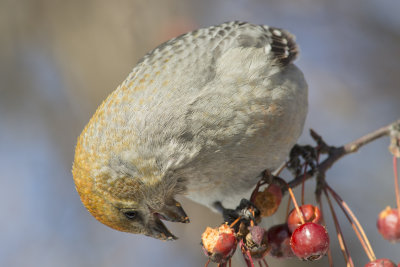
pixel 123 202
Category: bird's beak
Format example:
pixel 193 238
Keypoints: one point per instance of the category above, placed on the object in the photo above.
pixel 173 212
pixel 160 231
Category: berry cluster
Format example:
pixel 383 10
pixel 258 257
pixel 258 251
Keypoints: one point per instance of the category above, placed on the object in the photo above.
pixel 303 235
pixel 310 240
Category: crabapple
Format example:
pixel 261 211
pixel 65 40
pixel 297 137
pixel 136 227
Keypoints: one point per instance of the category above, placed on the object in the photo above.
pixel 310 213
pixel 310 241
pixel 389 224
pixel 219 244
pixel 279 239
pixel 380 263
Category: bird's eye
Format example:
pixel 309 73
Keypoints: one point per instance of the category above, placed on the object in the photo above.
pixel 131 214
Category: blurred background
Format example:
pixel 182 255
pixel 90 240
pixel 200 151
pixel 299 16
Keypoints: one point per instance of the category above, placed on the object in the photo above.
pixel 60 59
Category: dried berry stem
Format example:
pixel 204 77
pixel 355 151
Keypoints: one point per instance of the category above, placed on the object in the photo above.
pixel 360 233
pixel 342 243
pixel 235 221
pixel 280 169
pixel 208 262
pixel 251 221
pixel 296 206
pixel 318 197
pixel 396 183
pixel 348 212
pixel 250 258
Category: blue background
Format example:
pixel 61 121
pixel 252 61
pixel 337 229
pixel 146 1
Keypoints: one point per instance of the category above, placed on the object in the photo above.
pixel 60 59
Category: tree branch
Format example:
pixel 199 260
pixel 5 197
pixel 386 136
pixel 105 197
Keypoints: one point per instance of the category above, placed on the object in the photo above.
pixel 335 153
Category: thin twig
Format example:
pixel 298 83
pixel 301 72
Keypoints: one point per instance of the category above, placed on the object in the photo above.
pixel 235 222
pixel 280 169
pixel 250 258
pixel 347 211
pixel 299 213
pixel 396 183
pixel 318 197
pixel 245 252
pixel 343 247
pixel 363 239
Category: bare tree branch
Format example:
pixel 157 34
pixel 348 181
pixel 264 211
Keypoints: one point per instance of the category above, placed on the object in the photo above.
pixel 335 153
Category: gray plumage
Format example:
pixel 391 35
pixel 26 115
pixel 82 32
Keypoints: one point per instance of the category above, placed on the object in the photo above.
pixel 202 114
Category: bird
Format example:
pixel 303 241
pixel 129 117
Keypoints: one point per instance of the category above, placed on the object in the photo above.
pixel 202 115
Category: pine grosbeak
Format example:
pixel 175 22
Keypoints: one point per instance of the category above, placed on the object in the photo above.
pixel 201 115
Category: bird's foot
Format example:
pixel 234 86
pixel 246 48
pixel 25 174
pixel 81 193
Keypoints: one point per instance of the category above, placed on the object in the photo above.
pixel 244 213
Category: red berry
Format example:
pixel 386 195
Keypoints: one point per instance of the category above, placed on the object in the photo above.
pixel 279 240
pixel 389 224
pixel 310 241
pixel 268 201
pixel 310 212
pixel 380 263
pixel 219 244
